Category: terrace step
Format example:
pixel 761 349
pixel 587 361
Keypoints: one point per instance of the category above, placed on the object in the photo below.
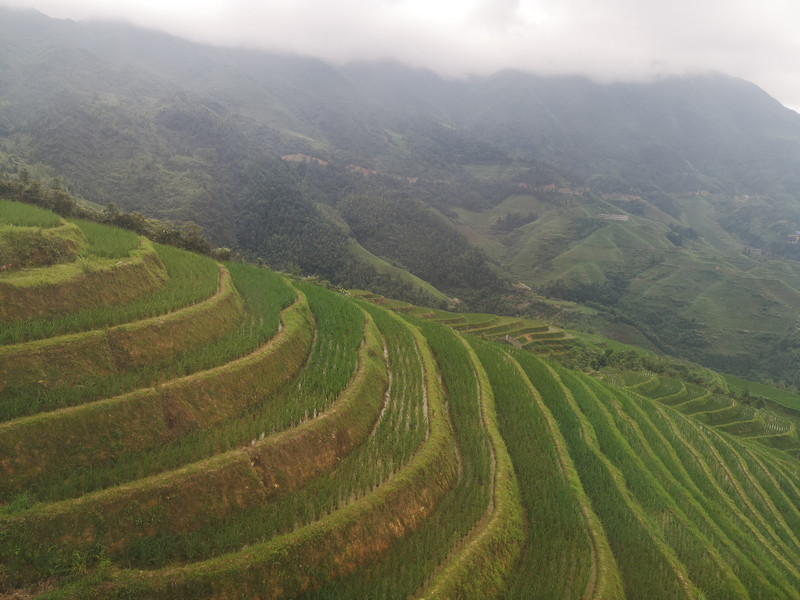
pixel 26 247
pixel 68 359
pixel 69 288
pixel 332 547
pixel 209 491
pixel 56 443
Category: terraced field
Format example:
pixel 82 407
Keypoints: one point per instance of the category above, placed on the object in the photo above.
pixel 519 332
pixel 723 412
pixel 230 433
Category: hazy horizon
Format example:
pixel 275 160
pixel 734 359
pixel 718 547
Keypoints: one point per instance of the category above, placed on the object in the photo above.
pixel 619 40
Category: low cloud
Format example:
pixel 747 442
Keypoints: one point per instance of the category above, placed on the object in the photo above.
pixel 611 40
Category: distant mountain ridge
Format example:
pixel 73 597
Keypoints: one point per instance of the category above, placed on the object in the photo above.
pixel 522 166
pixel 713 130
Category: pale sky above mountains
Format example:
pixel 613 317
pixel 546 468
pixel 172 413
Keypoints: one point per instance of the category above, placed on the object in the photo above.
pixel 758 40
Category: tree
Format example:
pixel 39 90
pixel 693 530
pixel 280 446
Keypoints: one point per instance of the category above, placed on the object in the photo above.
pixel 193 238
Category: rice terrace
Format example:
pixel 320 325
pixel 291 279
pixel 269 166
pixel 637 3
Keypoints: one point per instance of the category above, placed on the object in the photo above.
pixel 200 429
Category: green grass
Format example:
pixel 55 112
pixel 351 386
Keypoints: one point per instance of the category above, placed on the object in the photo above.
pixel 707 523
pixel 247 511
pixel 106 241
pixel 552 565
pixel 493 326
pixel 714 402
pixel 489 556
pixel 404 568
pixel 688 482
pixel 26 215
pixel 33 237
pixel 299 501
pixel 667 386
pixel 786 398
pixel 157 429
pixel 369 524
pixel 363 454
pixel 690 547
pixel 410 560
pixel 644 563
pixel 191 278
pixel 206 340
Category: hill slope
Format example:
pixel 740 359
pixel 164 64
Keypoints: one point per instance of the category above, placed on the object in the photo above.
pixel 624 196
pixel 302 443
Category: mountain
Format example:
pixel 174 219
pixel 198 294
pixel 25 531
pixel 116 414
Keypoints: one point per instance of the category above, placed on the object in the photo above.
pixel 175 427
pixel 667 206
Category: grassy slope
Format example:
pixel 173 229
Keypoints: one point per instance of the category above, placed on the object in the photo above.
pixel 783 397
pixel 384 267
pixel 705 299
pixel 639 498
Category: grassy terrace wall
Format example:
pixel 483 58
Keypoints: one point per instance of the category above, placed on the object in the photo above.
pixel 414 561
pixel 206 492
pixel 567 554
pixel 334 546
pixel 56 443
pixel 191 278
pixel 724 413
pixel 397 437
pixel 288 460
pixel 482 566
pixel 71 358
pixel 60 289
pixel 683 516
pixel 39 246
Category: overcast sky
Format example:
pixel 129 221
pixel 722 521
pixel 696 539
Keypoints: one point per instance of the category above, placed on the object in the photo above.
pixel 758 40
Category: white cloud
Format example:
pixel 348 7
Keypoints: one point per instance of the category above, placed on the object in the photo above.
pixel 753 39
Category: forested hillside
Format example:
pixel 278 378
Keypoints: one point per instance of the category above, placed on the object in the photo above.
pixel 668 207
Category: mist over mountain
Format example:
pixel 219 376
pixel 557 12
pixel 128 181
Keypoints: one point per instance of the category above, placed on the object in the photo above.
pixel 472 185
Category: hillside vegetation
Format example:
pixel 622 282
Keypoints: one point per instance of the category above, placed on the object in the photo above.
pixel 257 436
pixel 670 207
